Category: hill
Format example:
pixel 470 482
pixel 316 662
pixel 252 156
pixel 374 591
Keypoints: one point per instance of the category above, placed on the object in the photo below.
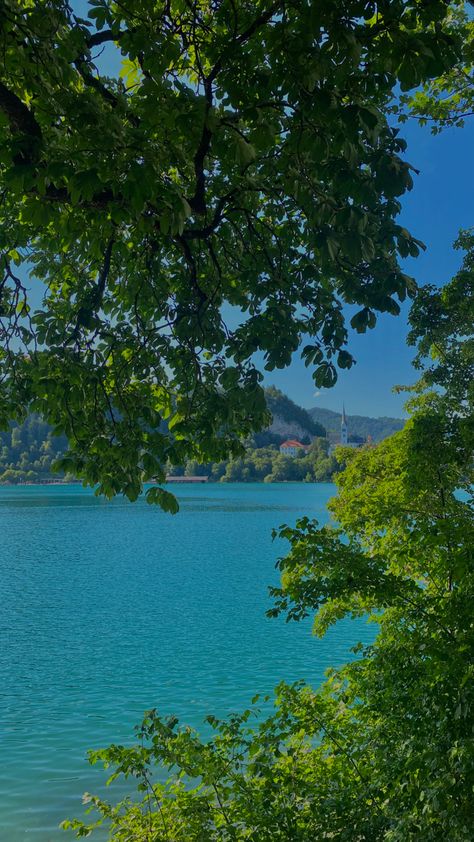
pixel 289 421
pixel 358 425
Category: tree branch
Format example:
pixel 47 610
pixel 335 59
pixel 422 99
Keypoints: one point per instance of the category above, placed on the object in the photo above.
pixel 198 200
pixel 22 122
pixel 105 35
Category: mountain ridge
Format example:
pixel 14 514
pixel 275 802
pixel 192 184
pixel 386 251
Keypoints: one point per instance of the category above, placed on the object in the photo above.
pixel 358 425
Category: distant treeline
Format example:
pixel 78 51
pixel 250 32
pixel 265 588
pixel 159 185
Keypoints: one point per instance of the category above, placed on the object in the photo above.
pixel 29 450
pixel 267 464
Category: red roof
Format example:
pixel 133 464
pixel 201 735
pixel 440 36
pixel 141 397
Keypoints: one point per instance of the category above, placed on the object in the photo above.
pixel 292 443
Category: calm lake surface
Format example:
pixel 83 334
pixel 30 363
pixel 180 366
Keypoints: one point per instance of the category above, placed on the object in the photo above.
pixel 107 609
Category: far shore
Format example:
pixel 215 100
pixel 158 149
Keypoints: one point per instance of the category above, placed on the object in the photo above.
pixel 168 481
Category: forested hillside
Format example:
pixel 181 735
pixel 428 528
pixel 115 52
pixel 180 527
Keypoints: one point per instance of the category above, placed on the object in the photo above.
pixel 289 419
pixel 28 450
pixel 359 425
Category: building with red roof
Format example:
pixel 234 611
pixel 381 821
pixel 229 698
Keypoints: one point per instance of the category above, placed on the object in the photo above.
pixel 291 447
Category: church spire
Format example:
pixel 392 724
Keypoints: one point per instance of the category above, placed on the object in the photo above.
pixel 344 436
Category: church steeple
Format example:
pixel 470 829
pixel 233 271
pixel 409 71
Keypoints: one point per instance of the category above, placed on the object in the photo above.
pixel 343 426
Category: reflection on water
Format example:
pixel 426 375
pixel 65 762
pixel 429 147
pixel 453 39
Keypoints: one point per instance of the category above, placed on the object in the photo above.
pixel 107 609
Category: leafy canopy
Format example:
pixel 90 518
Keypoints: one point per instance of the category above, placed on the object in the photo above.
pixel 239 171
pixel 447 100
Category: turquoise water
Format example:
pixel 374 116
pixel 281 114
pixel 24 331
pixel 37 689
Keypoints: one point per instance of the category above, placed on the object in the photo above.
pixel 107 609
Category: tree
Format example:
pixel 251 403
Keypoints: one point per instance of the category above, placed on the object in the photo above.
pixel 243 158
pixel 446 100
pixel 384 750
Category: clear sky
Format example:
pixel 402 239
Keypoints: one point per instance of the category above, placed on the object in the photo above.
pixel 441 202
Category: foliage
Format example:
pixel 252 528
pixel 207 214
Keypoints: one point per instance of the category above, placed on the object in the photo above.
pixel 359 425
pixel 384 750
pixel 242 162
pixel 28 451
pixel 446 100
pixel 433 316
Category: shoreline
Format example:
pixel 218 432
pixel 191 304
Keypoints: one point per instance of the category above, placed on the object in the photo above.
pixel 180 481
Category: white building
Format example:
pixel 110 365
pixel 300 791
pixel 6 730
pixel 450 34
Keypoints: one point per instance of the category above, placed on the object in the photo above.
pixel 291 447
pixel 344 432
pixel 344 440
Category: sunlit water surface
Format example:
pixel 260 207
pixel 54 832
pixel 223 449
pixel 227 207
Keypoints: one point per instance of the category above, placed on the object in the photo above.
pixel 107 609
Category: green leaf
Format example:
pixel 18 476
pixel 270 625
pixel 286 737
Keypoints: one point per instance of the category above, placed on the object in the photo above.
pixel 163 498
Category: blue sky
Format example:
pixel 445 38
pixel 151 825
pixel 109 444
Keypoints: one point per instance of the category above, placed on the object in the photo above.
pixel 441 202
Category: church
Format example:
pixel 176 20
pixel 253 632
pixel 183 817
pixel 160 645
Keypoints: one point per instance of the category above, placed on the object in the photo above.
pixel 345 439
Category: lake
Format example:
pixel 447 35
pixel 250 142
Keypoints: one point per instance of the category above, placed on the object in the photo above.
pixel 110 608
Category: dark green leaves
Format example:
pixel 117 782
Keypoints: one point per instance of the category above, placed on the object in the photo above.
pixel 165 499
pixel 325 375
pixel 363 319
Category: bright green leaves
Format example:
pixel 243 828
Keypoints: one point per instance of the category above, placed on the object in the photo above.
pixel 447 95
pixel 130 72
pixel 401 550
pixel 448 356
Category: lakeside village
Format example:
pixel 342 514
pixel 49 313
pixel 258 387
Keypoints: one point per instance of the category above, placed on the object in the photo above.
pixel 299 446
pixel 295 449
pixel 300 458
